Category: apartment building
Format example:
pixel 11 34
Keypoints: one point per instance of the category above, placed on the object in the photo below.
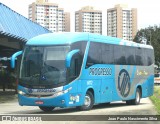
pixel 49 15
pixel 88 20
pixel 67 22
pixel 122 22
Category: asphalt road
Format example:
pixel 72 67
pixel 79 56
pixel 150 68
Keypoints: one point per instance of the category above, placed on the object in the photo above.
pixel 116 108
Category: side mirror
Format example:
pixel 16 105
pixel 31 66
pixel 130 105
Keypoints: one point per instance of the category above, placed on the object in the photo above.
pixel 69 57
pixel 13 58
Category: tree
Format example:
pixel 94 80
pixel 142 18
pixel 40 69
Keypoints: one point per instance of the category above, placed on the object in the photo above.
pixel 152 34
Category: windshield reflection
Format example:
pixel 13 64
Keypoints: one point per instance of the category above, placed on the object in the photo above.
pixel 43 65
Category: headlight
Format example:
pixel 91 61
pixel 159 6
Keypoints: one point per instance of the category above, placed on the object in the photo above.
pixel 21 92
pixel 67 90
pixel 62 92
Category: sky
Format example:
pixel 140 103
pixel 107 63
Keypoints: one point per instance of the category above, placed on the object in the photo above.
pixel 148 10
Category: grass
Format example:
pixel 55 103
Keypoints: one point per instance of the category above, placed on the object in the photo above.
pixel 156 98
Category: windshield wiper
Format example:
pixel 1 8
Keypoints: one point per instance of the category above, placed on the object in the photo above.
pixel 34 76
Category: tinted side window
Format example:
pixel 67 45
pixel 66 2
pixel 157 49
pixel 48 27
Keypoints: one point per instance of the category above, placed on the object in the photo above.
pixel 139 56
pixel 119 55
pixel 130 55
pixel 76 62
pixel 107 54
pixel 150 56
pixel 145 58
pixel 94 54
pixel 81 45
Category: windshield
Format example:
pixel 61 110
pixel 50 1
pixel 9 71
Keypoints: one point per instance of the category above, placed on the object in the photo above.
pixel 43 65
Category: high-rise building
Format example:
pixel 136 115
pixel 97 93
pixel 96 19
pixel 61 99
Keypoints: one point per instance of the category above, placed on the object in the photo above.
pixel 48 15
pixel 88 20
pixel 122 22
pixel 67 21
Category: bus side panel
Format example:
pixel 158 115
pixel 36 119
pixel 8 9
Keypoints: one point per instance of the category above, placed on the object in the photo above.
pixel 125 82
pixel 101 79
pixel 147 87
pixel 75 94
pixel 82 86
pixel 151 86
pixel 92 84
pixel 106 90
pixel 128 78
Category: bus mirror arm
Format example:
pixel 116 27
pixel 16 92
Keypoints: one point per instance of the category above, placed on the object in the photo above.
pixel 13 58
pixel 69 57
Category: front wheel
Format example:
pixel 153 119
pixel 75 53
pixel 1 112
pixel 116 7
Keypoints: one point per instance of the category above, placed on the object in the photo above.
pixel 88 102
pixel 46 109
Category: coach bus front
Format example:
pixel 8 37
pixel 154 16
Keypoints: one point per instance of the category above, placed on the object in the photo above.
pixel 46 73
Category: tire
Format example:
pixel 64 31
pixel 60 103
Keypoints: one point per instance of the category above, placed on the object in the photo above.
pixel 137 99
pixel 88 102
pixel 128 102
pixel 107 103
pixel 46 109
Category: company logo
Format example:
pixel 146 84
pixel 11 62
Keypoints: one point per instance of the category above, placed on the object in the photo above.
pixel 100 71
pixel 43 77
pixel 30 90
pixel 46 90
pixel 124 83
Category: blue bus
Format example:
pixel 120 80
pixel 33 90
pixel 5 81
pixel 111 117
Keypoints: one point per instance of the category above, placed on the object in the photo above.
pixel 83 69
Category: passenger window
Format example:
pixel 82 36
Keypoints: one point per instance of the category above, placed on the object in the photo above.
pixel 130 55
pixel 94 55
pixel 119 55
pixel 107 54
pixel 139 56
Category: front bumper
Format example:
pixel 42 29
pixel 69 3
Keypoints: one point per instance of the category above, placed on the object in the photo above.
pixel 60 101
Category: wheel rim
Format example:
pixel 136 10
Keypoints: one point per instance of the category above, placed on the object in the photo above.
pixel 137 97
pixel 87 101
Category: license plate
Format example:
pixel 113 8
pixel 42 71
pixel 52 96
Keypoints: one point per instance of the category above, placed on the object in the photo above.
pixel 39 102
